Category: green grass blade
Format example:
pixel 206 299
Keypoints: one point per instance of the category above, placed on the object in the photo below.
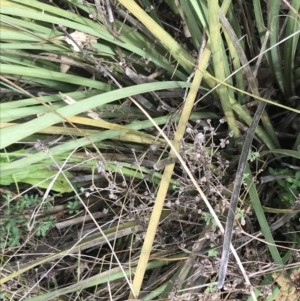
pixel 53 75
pixel 290 48
pixel 273 26
pixel 49 119
pixel 178 52
pixel 29 162
pixel 105 277
pixel 264 226
pixel 219 62
pixel 192 23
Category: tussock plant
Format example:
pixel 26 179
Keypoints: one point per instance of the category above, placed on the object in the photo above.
pixel 149 150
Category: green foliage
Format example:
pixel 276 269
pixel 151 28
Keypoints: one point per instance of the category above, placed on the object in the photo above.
pixel 213 253
pixel 245 177
pixel 211 289
pixel 15 220
pixel 73 206
pixel 252 155
pixel 240 214
pixel 44 226
pixel 36 176
pixel 289 186
pixel 209 220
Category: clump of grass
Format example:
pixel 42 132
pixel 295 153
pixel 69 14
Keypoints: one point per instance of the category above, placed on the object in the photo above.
pixel 97 87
